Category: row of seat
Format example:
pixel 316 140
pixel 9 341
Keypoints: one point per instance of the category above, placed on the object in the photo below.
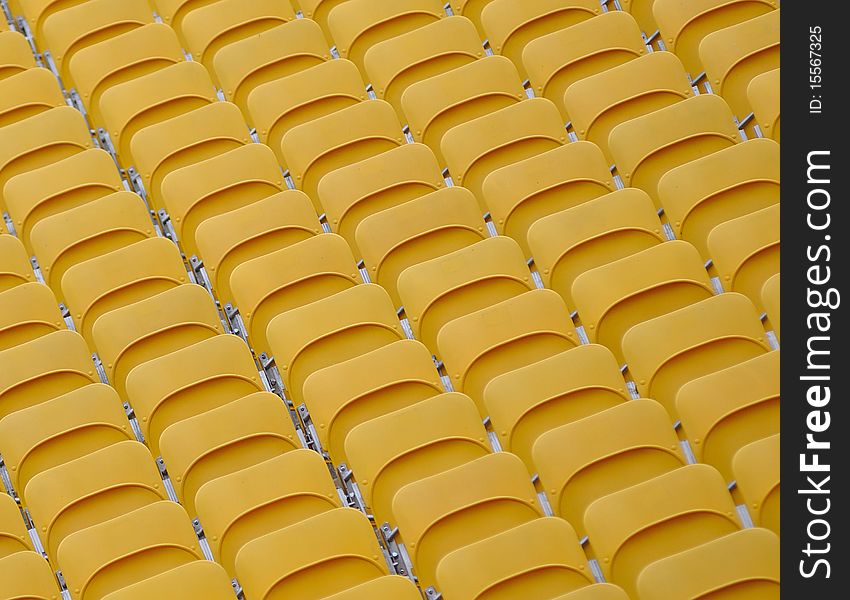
pixel 735 47
pixel 60 455
pixel 300 358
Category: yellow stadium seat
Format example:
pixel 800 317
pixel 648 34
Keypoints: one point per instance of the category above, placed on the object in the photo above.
pixel 310 270
pixel 129 336
pixel 352 392
pixel 217 185
pixel 557 60
pixel 461 282
pixel 641 10
pixel 189 382
pixel 616 296
pixel 28 93
pixel 15 266
pixel 315 558
pixel 357 25
pixel 243 66
pixel 119 278
pixel 133 54
pixel 510 25
pixel 533 560
pixel 129 107
pixel 424 228
pixel 519 194
pixel 14 538
pixel 173 12
pixel 646 148
pixel 56 187
pixel 15 54
pixel 461 506
pixel 763 95
pixel 756 470
pixel 351 194
pixel 437 104
pixel 89 231
pixel 525 403
pixel 598 103
pixel 597 591
pixel 317 10
pixel 770 301
pixel 27 575
pixel 666 352
pixel 247 504
pixel 43 369
pixel 196 579
pixel 597 232
pixel 724 411
pixel 40 140
pixel 60 430
pixel 699 195
pixel 94 488
pixel 397 63
pixel 663 516
pixel 27 312
pixel 225 440
pixel 68 31
pixel 347 136
pixel 258 229
pixel 128 549
pixel 745 252
pixel 277 107
pixel 390 587
pixel 330 331
pixel 605 453
pixel 36 11
pixel 514 333
pixel 471 9
pixel 424 439
pixel 184 140
pixel 744 564
pixel 685 23
pixel 208 29
pixel 733 56
pixel 476 148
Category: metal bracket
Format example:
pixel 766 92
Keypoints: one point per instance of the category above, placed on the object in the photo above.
pixel 98 365
pixel 432 594
pixel 354 497
pixel 311 436
pixel 399 557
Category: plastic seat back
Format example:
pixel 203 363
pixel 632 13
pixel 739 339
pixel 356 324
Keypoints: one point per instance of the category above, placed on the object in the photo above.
pixel 342 396
pixel 721 186
pixel 43 369
pixel 509 25
pixel 724 411
pixel 514 333
pixel 525 403
pixel 666 352
pixel 557 60
pixel 476 148
pixel 604 453
pixel 60 430
pixel 233 238
pixel 329 331
pixel 58 187
pixel 189 382
pixel 427 227
pixel 225 440
pixel 351 194
pixel 252 502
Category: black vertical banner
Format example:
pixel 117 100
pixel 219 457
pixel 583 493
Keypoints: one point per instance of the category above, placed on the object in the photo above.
pixel 815 422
